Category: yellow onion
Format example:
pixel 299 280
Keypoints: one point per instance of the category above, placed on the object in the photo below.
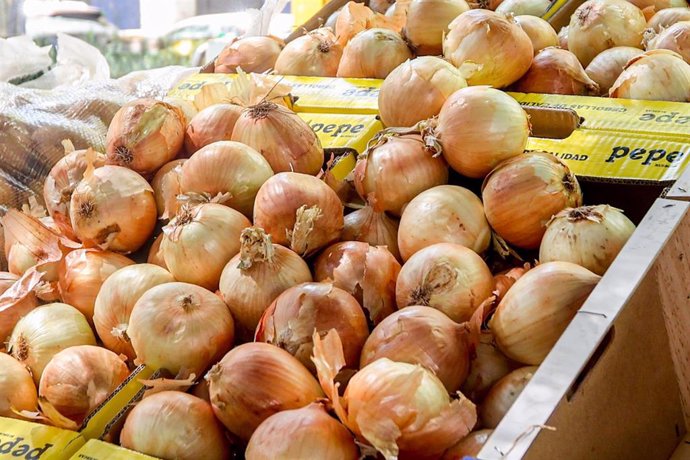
pixel 478 127
pixel 355 17
pixel 113 207
pixel 373 227
pixel 590 236
pixel 539 31
pixel 445 276
pixel 212 124
pixel 283 138
pixel 308 432
pixel 252 374
pixel 535 8
pixel 366 272
pixel 424 336
pixel 391 157
pixel 651 6
pixel 469 446
pixel 503 394
pixel 344 186
pixel 18 300
pixel 186 107
pixel 657 75
pixel 17 388
pixel 505 280
pixel 300 311
pixel 234 170
pixel 487 367
pixel 155 257
pixel 556 71
pixel 7 280
pixel 500 49
pixel 537 178
pixel 299 211
pixel 563 37
pixel 77 380
pixel 60 184
pixel 443 214
pixel 427 23
pixel 251 54
pixel 257 275
pixel 432 80
pixel 116 300
pixel 608 65
pixel 538 308
pixel 166 187
pixel 200 241
pixel 381 6
pixel 403 410
pixel 597 25
pixel 144 135
pixel 180 327
pixel 315 54
pixel 83 272
pixel 675 37
pixel 172 424
pixel 667 17
pixel 46 330
pixel 373 53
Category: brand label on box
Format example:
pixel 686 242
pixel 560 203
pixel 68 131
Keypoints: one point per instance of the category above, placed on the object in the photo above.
pixel 99 450
pixel 343 131
pixel 31 441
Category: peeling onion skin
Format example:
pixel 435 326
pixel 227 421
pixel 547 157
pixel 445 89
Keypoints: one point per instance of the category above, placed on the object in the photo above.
pixel 17 388
pixel 503 394
pixel 376 228
pixel 251 54
pixel 675 37
pixel 166 187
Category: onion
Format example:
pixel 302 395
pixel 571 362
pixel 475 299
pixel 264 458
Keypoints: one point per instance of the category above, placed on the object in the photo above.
pixel 299 211
pixel 166 187
pixel 366 272
pixel 212 124
pixel 180 327
pixel 308 432
pixel 17 301
pixel 144 135
pixel 373 53
pixel 83 272
pixel 432 80
pixel 424 336
pixel 427 23
pixel 315 54
pixel 46 330
pixel 7 280
pixel 539 32
pixel 113 207
pixel 445 276
pixel 479 127
pixel 667 17
pixel 116 300
pixel 658 5
pixel 305 309
pixel 537 178
pixel 381 6
pixel 172 424
pixel 227 168
pixel 500 49
pixel 597 25
pixel 155 256
pixel 469 446
pixel 186 107
pixel 538 308
pixel 535 8
pixel 375 228
pixel 443 214
pixel 283 138
pixel 257 275
pixel 675 38
pixel 354 18
pixel 608 65
pixel 251 54
pixel 556 71
pixel 590 236
pixel 505 280
pixel 563 37
pixel 256 380
pixel 657 75
pixel 77 380
pixel 200 241
pixel 487 367
pixel 391 157
pixel 17 388
pixel 503 394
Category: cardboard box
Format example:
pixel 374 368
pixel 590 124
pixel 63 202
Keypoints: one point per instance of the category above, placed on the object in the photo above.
pixel 99 450
pixel 20 439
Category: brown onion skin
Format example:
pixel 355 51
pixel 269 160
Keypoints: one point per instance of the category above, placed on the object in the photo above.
pixel 375 228
pixel 488 365
pixel 469 446
pixel 503 394
pixel 316 54
pixel 251 54
pixel 608 65
pixel 7 279
pixel 166 187
pixel 556 71
pixel 212 124
pixel 17 388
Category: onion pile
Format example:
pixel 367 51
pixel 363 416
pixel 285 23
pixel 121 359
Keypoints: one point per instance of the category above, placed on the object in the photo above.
pixel 251 54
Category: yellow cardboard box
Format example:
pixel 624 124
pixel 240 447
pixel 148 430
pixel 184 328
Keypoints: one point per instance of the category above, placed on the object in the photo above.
pixel 31 441
pixel 99 450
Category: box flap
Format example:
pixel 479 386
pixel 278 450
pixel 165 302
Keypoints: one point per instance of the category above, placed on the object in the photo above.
pixel 99 450
pixel 28 440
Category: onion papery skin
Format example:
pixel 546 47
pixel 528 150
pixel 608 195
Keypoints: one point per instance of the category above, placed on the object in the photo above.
pixel 7 279
pixel 166 187
pixel 657 75
pixel 443 214
pixel 116 299
pixel 667 17
pixel 537 178
pixel 212 124
pixel 373 53
pixel 430 78
pixel 469 446
pixel 445 276
pixel 597 25
pixel 498 45
pixel 18 300
pixel 315 54
pixel 172 424
pixel 227 167
pixel 17 388
pixel 503 394
pixel 607 66
pixel 366 272
pixel 487 367
pixel 537 309
pixel 252 374
pixel 675 37
pixel 251 54
pixel 78 379
pixel 535 8
pixel 155 256
pixel 427 23
pixel 375 228
pixel 539 32
pixel 556 71
pixel 478 127
pixel 180 327
pixel 563 37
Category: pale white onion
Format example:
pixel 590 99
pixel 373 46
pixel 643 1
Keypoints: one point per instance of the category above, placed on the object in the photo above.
pixel 675 37
pixel 667 17
pixel 608 65
pixel 657 75
pixel 535 8
pixel 539 32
